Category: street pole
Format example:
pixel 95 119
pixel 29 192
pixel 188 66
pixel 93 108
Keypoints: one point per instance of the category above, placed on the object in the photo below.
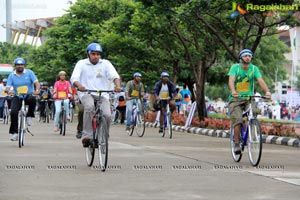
pixel 8 20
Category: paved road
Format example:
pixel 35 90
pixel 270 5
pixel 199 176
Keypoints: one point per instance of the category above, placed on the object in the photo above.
pixel 189 166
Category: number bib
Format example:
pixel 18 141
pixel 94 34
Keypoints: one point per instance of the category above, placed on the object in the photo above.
pixel 62 95
pixel 135 93
pixel 22 90
pixel 243 87
pixel 164 95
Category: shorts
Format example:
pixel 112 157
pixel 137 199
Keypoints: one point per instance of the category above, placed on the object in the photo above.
pixel 236 109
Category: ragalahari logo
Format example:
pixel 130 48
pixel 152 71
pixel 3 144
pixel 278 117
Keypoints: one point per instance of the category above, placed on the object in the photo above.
pixel 237 10
pixel 267 10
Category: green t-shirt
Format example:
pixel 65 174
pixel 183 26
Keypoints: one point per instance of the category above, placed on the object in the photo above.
pixel 244 80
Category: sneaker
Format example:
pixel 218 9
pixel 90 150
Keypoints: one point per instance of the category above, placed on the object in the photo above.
pixel 68 117
pixel 127 129
pixel 86 142
pixel 29 121
pixel 56 129
pixel 78 134
pixel 1 119
pixel 161 130
pixel 14 137
pixel 237 149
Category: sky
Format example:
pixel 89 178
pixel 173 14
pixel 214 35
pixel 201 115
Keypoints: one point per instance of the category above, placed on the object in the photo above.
pixel 31 9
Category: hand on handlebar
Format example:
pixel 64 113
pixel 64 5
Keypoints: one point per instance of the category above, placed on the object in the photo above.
pixel 81 88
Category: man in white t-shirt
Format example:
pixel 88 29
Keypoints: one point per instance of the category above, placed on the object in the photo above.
pixel 94 73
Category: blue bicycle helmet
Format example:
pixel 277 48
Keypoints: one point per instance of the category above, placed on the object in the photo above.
pixel 245 52
pixel 19 61
pixel 137 74
pixel 94 47
pixel 4 80
pixel 164 74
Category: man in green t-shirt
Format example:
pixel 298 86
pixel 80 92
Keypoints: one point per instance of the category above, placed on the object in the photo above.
pixel 241 83
pixel 134 92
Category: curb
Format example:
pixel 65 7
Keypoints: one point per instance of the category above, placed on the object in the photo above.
pixel 268 139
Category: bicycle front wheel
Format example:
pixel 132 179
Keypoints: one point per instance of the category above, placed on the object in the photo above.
pixel 90 154
pixel 254 142
pixel 236 157
pixel 21 130
pixel 62 122
pixel 140 124
pixel 6 115
pixel 102 137
pixel 169 122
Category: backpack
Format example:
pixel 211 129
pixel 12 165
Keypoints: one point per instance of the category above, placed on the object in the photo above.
pixel 186 98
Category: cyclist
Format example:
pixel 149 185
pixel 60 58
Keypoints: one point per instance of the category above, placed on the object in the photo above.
pixel 62 90
pixel 164 89
pixel 94 73
pixel 241 82
pixel 45 94
pixel 23 81
pixel 134 89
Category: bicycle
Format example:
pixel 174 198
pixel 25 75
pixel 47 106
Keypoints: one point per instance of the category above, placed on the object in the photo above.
pixel 22 121
pixel 6 113
pixel 115 113
pixel 138 119
pixel 47 111
pixel 167 123
pixel 100 133
pixel 62 120
pixel 251 136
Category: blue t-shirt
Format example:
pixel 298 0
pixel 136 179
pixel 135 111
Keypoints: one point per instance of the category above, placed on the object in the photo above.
pixel 19 82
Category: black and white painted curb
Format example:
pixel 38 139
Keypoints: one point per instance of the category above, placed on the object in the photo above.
pixel 269 139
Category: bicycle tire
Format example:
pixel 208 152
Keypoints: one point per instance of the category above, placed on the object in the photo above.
pixel 117 117
pixel 90 154
pixel 71 114
pixel 21 130
pixel 5 115
pixel 162 134
pixel 64 121
pixel 140 124
pixel 236 157
pixel 254 142
pixel 133 122
pixel 47 114
pixel 169 122
pixel 102 138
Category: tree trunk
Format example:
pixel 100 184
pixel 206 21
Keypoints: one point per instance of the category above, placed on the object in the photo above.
pixel 200 91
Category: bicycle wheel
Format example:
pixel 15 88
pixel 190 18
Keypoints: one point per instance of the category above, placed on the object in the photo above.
pixel 162 134
pixel 21 129
pixel 254 142
pixel 140 124
pixel 117 117
pixel 169 122
pixel 102 138
pixel 47 114
pixel 133 123
pixel 62 123
pixel 236 157
pixel 5 115
pixel 71 114
pixel 90 153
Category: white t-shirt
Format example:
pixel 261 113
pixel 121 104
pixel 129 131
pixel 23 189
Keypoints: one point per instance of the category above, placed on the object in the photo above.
pixel 94 77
